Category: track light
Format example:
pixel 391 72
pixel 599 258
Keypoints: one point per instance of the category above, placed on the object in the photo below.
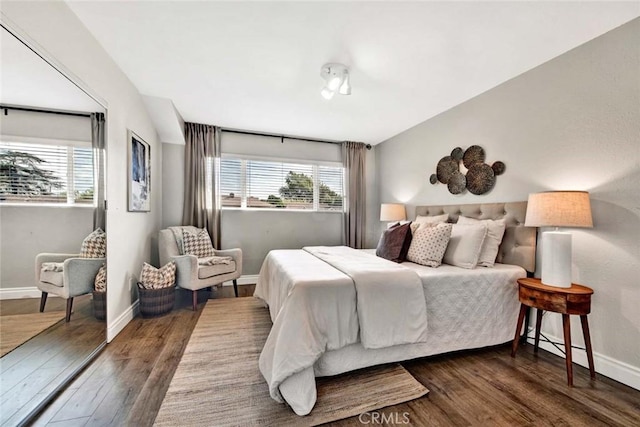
pixel 336 77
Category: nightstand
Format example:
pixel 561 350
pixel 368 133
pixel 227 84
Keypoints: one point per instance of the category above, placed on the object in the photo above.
pixel 574 300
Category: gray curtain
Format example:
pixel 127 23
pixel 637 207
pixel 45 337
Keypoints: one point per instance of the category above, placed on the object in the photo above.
pixel 354 160
pixel 98 144
pixel 202 145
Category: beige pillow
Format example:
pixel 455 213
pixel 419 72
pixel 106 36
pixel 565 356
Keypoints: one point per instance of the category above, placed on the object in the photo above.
pixel 197 244
pixel 465 245
pixel 94 245
pixel 495 232
pixel 158 278
pixel 429 244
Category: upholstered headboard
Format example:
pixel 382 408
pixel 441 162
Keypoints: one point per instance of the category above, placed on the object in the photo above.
pixel 519 242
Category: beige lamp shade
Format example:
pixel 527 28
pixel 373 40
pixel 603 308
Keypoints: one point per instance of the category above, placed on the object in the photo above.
pixel 559 209
pixel 392 212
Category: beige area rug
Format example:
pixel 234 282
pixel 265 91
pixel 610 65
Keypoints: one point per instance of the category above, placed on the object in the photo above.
pixel 218 382
pixel 17 329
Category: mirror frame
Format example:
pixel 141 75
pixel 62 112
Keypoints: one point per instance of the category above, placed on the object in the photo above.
pixel 32 45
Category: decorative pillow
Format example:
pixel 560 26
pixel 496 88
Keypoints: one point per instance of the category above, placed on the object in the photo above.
pixel 429 244
pixel 197 244
pixel 432 219
pixel 94 245
pixel 495 232
pixel 158 278
pixel 465 245
pixel 394 243
pixel 100 284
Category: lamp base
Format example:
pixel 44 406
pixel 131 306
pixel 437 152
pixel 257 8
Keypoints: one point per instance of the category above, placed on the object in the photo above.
pixel 556 259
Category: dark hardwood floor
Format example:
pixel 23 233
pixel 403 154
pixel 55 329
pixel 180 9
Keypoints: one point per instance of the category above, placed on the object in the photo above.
pixel 36 368
pixel 126 385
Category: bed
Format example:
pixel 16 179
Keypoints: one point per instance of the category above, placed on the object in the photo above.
pixel 333 311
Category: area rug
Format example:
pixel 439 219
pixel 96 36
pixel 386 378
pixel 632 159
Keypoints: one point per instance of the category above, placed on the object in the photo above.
pixel 16 329
pixel 218 382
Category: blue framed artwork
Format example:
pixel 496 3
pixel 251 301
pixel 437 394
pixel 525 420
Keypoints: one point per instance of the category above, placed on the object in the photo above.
pixel 139 171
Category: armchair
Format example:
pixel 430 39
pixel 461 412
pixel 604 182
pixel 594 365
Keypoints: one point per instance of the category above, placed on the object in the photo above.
pixel 192 276
pixel 76 278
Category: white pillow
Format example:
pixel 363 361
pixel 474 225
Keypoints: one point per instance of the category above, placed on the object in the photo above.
pixel 465 245
pixel 429 244
pixel 420 219
pixel 495 232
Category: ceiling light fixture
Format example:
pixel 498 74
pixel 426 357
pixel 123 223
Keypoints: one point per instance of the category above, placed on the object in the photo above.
pixel 336 77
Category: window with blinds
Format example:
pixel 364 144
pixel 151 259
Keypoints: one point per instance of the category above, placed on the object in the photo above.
pixel 35 173
pixel 268 184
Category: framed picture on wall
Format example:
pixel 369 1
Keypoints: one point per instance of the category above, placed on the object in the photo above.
pixel 139 173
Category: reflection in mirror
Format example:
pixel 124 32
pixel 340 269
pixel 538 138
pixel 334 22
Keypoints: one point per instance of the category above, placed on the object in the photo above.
pixel 53 247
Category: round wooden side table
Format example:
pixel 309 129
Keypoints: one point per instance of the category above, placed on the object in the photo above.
pixel 574 300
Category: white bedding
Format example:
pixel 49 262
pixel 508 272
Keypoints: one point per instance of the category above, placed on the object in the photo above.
pixel 325 298
pixel 309 298
pixel 389 298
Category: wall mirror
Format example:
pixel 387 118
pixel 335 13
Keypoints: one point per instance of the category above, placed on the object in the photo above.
pixel 52 158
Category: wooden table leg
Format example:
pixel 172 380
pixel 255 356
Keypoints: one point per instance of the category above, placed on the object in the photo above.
pixel 566 325
pixel 587 344
pixel 539 314
pixel 516 338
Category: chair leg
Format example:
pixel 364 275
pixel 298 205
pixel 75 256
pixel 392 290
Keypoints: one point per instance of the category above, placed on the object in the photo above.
pixel 43 301
pixel 235 287
pixel 195 300
pixel 69 307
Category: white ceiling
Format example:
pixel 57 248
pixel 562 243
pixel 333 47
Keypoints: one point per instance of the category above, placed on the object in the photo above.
pixel 27 80
pixel 256 65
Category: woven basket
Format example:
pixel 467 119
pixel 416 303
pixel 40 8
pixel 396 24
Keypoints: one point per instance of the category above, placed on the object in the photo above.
pixel 100 305
pixel 156 302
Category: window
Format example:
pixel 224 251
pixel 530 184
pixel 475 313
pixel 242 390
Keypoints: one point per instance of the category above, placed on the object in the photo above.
pixel 45 173
pixel 267 184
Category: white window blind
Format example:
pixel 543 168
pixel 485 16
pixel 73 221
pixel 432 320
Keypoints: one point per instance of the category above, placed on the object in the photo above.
pixel 271 184
pixel 45 173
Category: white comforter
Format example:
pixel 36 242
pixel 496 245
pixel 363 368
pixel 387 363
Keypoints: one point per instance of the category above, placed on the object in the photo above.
pixel 317 308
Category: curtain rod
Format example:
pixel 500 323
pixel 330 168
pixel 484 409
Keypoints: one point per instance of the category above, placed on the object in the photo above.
pixel 39 110
pixel 283 137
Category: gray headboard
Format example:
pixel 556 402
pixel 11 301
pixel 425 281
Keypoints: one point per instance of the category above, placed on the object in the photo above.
pixel 519 242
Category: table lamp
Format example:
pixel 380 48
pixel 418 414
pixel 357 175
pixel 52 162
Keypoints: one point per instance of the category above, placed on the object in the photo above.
pixel 392 212
pixel 558 209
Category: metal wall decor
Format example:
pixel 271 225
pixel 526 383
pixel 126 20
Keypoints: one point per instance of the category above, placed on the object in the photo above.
pixel 480 177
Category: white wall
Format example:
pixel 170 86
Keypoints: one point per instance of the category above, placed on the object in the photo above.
pixel 572 123
pixel 172 184
pixel 58 32
pixel 46 128
pixel 29 230
pixel 258 232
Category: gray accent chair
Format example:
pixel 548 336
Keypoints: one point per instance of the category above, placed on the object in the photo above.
pixel 190 275
pixel 77 277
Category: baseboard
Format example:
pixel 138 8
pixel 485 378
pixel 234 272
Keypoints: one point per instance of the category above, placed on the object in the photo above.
pixel 246 279
pixel 19 293
pixel 123 320
pixel 605 365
